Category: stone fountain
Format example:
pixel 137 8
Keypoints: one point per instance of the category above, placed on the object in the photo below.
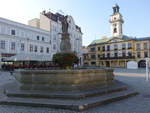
pixel 78 89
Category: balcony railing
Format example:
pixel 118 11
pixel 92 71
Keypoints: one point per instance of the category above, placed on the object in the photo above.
pixel 129 47
pixel 92 50
pixel 111 58
pixel 93 58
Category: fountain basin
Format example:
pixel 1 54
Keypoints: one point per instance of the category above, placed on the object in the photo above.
pixel 64 80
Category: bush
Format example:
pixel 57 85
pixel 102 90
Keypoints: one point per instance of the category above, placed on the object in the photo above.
pixel 65 59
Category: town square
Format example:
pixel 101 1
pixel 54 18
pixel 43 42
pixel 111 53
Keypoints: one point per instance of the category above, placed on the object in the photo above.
pixel 74 56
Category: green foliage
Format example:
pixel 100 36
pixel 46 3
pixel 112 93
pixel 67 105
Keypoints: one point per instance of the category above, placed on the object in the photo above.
pixel 65 59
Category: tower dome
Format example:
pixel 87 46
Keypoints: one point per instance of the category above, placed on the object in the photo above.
pixel 116 9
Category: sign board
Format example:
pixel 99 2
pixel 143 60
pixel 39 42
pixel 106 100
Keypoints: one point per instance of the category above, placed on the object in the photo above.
pixel 132 65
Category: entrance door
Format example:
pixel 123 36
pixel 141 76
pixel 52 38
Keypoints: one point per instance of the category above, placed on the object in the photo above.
pixel 107 64
pixel 142 64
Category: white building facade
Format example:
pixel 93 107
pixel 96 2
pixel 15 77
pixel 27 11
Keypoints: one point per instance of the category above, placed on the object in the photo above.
pixel 19 39
pixel 37 41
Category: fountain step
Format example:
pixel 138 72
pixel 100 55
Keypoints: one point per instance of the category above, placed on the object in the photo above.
pixel 79 105
pixel 116 87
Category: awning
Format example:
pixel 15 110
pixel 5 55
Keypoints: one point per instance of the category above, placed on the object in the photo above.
pixel 29 57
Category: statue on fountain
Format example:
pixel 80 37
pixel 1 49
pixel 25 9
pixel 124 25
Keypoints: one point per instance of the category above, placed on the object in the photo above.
pixel 65 45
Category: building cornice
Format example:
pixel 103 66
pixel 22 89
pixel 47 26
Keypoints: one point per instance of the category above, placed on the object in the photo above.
pixel 24 26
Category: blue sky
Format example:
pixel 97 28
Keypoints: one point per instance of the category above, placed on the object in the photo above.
pixel 91 15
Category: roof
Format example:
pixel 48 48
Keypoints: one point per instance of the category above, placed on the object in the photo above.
pixel 24 26
pixel 124 37
pixel 100 41
pixel 57 16
pixel 143 38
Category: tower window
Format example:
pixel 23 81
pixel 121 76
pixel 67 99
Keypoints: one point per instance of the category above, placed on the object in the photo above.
pixel 114 25
pixel 115 30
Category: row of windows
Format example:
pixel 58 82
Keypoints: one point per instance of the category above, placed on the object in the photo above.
pixel 115 47
pixel 138 46
pixel 32 48
pixel 41 49
pixel 38 38
pixel 129 54
pixel 139 54
pixel 13 32
pixel 116 55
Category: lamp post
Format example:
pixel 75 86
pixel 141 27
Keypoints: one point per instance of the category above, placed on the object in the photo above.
pixel 147 71
pixel 0 60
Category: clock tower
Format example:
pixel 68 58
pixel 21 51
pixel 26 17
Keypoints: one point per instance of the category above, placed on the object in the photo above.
pixel 116 22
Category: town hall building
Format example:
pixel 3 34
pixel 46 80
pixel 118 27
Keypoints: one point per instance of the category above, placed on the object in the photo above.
pixel 119 49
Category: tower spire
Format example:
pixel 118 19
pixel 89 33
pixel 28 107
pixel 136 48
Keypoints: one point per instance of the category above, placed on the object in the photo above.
pixel 116 9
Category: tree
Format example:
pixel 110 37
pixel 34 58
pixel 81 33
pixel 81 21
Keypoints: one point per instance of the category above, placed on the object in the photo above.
pixel 65 59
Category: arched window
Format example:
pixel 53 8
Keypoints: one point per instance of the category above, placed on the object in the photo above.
pixel 115 30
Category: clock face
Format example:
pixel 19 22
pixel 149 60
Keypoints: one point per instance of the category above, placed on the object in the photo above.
pixel 115 18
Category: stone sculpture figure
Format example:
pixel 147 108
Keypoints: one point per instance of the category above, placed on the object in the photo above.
pixel 65 25
pixel 65 45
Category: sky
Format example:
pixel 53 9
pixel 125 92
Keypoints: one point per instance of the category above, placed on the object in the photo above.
pixel 91 15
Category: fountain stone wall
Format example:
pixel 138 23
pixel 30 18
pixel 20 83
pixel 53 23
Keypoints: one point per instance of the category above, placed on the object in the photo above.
pixel 64 80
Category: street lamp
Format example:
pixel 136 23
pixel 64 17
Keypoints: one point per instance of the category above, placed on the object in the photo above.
pixel 0 59
pixel 147 71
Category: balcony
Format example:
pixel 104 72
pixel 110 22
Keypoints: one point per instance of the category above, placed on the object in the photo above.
pixel 93 58
pixel 92 51
pixel 112 58
pixel 129 47
pixel 108 49
pixel 123 48
pixel 103 50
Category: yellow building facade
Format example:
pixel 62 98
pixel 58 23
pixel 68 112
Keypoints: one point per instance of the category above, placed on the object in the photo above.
pixel 117 52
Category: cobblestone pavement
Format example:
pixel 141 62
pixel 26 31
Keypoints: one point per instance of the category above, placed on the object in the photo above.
pixel 137 104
